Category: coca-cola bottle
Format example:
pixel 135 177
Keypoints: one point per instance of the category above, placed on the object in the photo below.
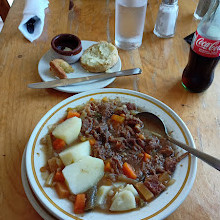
pixel 204 51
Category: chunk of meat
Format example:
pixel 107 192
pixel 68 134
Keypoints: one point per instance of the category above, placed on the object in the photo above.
pixel 170 164
pixel 154 185
pixel 167 151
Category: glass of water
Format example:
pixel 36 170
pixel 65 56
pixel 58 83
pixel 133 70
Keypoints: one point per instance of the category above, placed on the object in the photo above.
pixel 129 23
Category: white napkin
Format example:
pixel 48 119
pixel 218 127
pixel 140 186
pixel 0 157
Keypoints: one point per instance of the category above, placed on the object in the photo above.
pixel 33 9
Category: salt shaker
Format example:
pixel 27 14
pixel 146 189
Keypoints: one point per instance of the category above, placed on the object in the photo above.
pixel 166 19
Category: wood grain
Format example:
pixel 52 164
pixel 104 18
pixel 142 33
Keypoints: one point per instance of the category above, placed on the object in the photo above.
pixel 162 62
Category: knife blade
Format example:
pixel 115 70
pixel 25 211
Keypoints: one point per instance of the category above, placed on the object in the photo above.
pixel 69 81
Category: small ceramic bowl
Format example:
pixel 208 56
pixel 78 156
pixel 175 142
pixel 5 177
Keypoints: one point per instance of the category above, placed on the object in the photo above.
pixel 67 47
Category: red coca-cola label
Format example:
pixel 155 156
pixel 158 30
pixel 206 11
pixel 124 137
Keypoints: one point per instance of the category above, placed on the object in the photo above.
pixel 205 47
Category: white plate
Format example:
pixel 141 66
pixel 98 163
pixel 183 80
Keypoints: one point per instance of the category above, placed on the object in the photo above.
pixel 40 209
pixel 46 75
pixel 159 208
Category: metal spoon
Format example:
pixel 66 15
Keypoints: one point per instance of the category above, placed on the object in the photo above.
pixel 156 126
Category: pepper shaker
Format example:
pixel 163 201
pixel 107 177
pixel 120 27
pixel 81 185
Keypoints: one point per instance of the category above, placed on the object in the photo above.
pixel 166 19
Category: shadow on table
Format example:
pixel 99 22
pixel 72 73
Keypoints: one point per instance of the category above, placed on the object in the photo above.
pixel 177 95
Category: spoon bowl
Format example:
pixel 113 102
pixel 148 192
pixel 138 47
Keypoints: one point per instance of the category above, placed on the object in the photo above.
pixel 158 128
pixel 152 123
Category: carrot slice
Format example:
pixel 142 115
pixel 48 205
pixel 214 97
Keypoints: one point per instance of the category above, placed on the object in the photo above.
pixel 129 171
pixel 107 167
pixel 62 190
pixel 58 177
pixel 92 141
pixel 118 118
pixel 58 144
pixel 80 203
pixel 105 99
pixel 141 136
pixel 72 114
pixel 147 157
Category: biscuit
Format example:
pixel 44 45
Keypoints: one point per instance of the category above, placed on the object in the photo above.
pixel 99 57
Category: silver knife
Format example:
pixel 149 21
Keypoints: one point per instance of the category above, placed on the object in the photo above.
pixel 65 82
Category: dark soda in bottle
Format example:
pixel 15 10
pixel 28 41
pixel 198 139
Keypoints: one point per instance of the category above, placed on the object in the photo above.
pixel 199 72
pixel 204 52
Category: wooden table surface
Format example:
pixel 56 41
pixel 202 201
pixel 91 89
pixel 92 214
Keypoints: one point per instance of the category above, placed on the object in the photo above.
pixel 162 62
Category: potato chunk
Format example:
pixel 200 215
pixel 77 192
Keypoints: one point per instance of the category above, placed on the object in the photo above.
pixel 75 153
pixel 123 201
pixel 83 174
pixel 131 188
pixel 68 130
pixel 102 194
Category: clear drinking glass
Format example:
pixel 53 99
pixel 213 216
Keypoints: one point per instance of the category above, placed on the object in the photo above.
pixel 201 9
pixel 129 23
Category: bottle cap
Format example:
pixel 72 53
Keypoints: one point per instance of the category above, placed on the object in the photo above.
pixel 170 2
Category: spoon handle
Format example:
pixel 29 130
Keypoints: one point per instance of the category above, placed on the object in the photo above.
pixel 212 161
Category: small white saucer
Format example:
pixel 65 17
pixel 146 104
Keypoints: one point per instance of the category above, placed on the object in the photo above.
pixel 29 193
pixel 46 75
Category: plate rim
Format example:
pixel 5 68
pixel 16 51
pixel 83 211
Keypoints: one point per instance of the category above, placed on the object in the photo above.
pixel 192 164
pixel 38 207
pixel 62 89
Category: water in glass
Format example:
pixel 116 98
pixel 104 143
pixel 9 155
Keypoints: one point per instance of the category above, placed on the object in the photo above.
pixel 129 23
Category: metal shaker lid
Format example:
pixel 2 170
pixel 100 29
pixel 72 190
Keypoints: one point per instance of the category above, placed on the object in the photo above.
pixel 170 2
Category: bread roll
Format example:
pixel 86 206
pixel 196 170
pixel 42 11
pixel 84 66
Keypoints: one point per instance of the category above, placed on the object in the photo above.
pixel 99 57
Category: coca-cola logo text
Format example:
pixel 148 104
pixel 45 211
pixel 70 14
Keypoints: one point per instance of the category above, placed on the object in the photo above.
pixel 205 47
pixel 212 47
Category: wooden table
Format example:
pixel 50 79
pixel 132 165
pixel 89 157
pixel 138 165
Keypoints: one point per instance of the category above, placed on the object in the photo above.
pixel 162 62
